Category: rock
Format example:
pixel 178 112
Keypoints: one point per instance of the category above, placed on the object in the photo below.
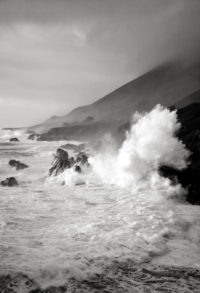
pixel 73 147
pixel 14 139
pixel 77 169
pixel 189 134
pixel 169 172
pixel 17 164
pixel 60 162
pixel 82 158
pixel 72 161
pixel 11 181
pixel 193 195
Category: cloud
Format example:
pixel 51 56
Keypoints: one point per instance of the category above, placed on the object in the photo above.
pixel 63 54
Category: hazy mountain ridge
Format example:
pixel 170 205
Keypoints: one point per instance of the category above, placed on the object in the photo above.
pixel 190 99
pixel 79 131
pixel 169 84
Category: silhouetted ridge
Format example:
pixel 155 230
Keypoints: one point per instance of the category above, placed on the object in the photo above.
pixel 193 98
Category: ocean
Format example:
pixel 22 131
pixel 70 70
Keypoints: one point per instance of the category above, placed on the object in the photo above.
pixel 82 233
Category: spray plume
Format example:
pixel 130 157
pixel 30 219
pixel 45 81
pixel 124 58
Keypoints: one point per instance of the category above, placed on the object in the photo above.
pixel 150 143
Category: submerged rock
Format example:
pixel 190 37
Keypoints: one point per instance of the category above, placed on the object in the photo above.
pixel 14 139
pixel 17 164
pixel 72 161
pixel 11 181
pixel 60 163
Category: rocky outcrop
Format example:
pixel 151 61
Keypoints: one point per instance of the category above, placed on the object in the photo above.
pixel 82 158
pixel 62 161
pixel 14 139
pixel 77 169
pixel 10 182
pixel 80 132
pixel 189 134
pixel 17 164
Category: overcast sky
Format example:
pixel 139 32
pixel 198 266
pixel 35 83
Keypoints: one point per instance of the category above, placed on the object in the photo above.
pixel 58 54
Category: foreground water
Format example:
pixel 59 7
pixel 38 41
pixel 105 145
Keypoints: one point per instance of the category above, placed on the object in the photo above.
pixel 91 237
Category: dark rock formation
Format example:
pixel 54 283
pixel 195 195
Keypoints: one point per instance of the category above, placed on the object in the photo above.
pixel 17 164
pixel 11 181
pixel 118 277
pixel 60 163
pixel 14 139
pixel 73 147
pixel 77 169
pixel 82 159
pixel 189 134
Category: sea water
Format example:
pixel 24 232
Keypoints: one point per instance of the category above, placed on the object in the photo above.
pixel 91 234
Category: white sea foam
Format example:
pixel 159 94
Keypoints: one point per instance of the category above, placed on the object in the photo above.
pixel 6 134
pixel 123 211
pixel 150 143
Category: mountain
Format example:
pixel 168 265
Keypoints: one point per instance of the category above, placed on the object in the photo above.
pixel 53 121
pixel 92 132
pixel 168 84
pixel 192 98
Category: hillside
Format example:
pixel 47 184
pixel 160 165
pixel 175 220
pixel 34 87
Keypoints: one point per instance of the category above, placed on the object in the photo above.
pixel 190 99
pixel 169 84
pixel 166 85
pixel 92 132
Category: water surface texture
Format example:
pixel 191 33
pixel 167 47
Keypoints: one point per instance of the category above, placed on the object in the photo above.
pixel 91 237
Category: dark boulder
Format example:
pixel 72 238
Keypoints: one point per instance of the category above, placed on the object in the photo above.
pixel 14 139
pixel 82 158
pixel 77 169
pixel 169 172
pixel 17 164
pixel 60 163
pixel 11 181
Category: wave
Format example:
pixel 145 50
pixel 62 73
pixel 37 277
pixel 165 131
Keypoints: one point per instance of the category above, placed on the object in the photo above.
pixel 111 228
